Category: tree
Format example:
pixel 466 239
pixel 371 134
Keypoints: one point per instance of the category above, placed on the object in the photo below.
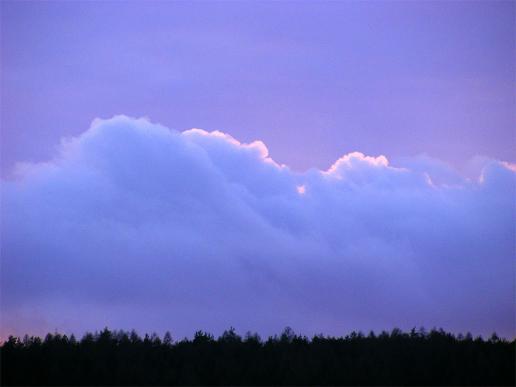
pixel 167 339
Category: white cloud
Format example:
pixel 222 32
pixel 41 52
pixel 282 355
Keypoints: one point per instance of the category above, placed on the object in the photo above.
pixel 135 225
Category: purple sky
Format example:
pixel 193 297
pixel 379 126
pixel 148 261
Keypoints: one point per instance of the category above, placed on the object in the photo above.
pixel 311 80
pixel 276 219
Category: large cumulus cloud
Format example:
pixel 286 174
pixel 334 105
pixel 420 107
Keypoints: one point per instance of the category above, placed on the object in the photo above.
pixel 133 225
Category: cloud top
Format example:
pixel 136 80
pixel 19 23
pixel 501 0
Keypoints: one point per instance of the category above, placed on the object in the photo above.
pixel 133 225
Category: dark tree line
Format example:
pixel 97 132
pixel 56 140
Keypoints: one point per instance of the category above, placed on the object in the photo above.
pixel 124 358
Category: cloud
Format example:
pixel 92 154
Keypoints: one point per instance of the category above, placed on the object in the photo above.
pixel 133 225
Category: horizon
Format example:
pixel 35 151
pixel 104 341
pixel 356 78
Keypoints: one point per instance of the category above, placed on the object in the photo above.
pixel 415 331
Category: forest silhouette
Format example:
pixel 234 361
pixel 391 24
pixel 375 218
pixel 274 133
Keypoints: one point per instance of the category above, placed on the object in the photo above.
pixel 109 357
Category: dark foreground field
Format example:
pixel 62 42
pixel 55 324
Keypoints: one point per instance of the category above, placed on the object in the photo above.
pixel 123 358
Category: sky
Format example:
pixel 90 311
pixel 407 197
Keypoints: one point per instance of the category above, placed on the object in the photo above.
pixel 354 166
pixel 313 80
